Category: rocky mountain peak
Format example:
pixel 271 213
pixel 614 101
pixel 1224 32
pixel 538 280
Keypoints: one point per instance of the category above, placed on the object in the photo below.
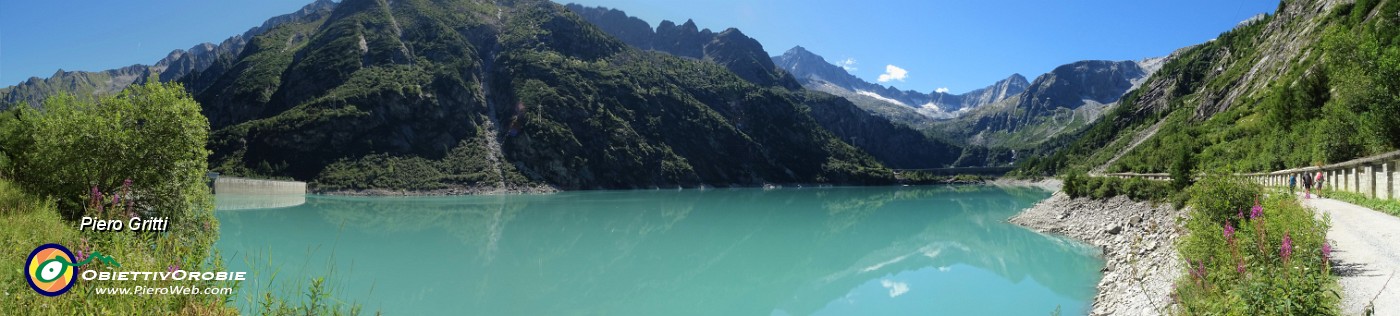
pixel 689 26
pixel 745 57
pixel 1101 81
pixel 730 48
pixel 815 72
pixel 1017 79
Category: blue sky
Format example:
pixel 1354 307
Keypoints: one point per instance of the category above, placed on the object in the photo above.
pixel 958 45
pixel 38 37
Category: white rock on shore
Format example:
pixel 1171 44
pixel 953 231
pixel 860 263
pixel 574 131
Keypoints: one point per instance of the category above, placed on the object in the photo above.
pixel 1138 244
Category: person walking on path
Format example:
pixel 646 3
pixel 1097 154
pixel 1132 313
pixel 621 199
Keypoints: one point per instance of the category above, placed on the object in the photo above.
pixel 1292 183
pixel 1318 181
pixel 1307 186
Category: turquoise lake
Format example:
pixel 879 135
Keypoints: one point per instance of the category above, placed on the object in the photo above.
pixel 930 250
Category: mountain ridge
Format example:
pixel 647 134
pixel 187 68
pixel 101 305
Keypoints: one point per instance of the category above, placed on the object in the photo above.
pixel 1010 114
pixel 522 94
pixel 175 66
pixel 813 70
pixel 892 143
pixel 1268 94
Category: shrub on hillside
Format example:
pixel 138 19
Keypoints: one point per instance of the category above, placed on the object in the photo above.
pixel 1221 198
pixel 1270 259
pixel 152 135
pixel 1076 185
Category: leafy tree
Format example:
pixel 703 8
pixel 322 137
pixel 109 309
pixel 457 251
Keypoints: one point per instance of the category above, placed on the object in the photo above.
pixel 1181 169
pixel 152 134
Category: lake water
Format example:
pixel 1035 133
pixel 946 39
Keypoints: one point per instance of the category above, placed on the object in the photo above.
pixel 944 250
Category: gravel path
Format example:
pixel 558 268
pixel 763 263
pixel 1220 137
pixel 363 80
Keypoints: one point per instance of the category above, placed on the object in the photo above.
pixel 1366 253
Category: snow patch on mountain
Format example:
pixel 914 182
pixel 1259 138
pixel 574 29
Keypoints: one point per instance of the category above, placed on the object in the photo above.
pixel 880 97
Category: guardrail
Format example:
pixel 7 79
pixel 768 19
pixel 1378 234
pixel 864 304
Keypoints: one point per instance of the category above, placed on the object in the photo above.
pixel 1148 176
pixel 1375 176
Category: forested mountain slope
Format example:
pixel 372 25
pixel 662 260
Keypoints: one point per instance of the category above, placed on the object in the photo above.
pixel 423 94
pixel 1316 82
pixel 893 144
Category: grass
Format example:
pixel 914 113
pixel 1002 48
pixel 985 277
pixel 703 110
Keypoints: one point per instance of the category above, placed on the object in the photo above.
pixel 27 221
pixel 1391 207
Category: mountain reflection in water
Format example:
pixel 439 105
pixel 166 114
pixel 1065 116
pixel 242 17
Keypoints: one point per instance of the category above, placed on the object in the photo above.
pixel 880 250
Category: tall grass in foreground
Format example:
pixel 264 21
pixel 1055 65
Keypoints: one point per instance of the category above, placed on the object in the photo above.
pixel 27 222
pixel 1251 253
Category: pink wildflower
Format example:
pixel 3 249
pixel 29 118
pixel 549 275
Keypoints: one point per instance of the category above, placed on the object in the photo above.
pixel 1286 250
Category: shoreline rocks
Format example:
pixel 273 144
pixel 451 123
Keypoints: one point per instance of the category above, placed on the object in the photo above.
pixel 1137 240
pixel 1048 184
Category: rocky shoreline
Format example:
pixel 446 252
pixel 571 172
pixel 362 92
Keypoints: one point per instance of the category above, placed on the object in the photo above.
pixel 1137 240
pixel 1048 184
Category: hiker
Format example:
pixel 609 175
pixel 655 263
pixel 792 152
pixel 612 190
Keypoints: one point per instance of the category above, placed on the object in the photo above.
pixel 1318 182
pixel 1307 186
pixel 1292 183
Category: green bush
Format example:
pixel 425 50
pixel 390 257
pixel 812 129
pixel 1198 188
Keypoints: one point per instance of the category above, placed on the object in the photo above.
pixel 1221 198
pixel 1105 187
pixel 1270 262
pixel 152 135
pixel 55 157
pixel 1073 183
pixel 1076 185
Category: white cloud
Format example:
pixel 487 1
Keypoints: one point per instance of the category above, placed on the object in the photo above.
pixel 941 90
pixel 896 288
pixel 892 73
pixel 849 64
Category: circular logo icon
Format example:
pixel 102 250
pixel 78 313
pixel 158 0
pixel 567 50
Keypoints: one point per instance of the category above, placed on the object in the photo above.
pixel 50 270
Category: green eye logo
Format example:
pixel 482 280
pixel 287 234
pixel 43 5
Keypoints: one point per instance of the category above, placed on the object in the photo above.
pixel 50 268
